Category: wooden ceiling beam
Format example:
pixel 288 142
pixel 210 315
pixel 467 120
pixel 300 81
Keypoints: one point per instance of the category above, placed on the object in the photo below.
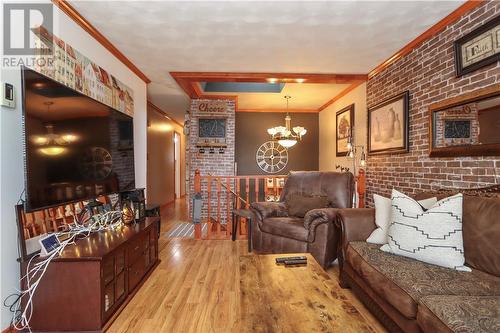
pixel 279 110
pixel 267 77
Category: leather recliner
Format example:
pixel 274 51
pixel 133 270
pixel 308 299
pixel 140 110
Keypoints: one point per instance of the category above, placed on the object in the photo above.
pixel 276 231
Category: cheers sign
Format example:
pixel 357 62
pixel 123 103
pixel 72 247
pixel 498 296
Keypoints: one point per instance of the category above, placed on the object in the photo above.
pixel 215 106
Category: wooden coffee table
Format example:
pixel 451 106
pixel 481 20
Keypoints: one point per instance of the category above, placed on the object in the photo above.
pixel 293 299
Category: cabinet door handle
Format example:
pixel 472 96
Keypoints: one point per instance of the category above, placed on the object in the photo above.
pixel 137 248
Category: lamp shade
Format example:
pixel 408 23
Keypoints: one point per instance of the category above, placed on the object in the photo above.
pixel 287 143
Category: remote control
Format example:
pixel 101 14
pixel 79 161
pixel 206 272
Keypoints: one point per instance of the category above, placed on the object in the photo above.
pixel 283 259
pixel 295 262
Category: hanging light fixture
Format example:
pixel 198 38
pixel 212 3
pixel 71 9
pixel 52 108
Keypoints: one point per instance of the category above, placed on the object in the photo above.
pixel 53 144
pixel 285 135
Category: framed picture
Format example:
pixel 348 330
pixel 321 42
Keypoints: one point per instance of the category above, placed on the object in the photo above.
pixel 478 48
pixel 388 124
pixel 466 125
pixel 344 125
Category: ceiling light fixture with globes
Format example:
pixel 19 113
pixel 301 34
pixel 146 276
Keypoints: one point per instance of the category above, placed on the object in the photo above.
pixel 285 135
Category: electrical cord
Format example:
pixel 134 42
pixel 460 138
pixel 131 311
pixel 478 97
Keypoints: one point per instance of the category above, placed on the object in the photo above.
pixel 22 305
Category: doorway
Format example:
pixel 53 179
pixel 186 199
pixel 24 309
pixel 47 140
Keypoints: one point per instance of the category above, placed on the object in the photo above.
pixel 177 164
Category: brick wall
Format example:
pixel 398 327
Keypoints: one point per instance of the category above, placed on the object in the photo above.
pixel 428 72
pixel 215 164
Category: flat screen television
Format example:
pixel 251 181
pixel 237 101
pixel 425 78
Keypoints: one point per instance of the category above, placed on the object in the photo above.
pixel 75 147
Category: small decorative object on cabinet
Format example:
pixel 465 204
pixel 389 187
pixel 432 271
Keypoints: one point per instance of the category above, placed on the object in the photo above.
pixel 137 202
pixel 478 48
pixel 466 125
pixel 388 124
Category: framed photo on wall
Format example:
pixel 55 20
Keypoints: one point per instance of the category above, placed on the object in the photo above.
pixel 344 121
pixel 478 48
pixel 388 126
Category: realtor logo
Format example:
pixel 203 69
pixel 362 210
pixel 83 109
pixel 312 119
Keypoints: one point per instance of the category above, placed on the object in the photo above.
pixel 18 21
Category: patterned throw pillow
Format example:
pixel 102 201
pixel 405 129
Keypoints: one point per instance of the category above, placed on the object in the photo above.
pixel 383 214
pixel 433 236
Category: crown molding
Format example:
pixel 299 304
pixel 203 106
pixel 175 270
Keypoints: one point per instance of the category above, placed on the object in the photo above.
pixel 429 33
pixel 73 14
pixel 156 108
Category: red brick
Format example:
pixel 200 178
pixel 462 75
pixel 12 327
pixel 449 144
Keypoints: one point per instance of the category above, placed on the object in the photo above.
pixel 428 72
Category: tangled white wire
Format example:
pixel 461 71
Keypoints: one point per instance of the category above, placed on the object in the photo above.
pixel 23 304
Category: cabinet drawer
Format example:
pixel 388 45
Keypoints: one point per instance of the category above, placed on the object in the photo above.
pixel 109 297
pixel 137 248
pixel 153 235
pixel 108 270
pixel 120 286
pixel 136 272
pixel 119 262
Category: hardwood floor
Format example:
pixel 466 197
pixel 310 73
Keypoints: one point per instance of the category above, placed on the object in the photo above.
pixel 196 286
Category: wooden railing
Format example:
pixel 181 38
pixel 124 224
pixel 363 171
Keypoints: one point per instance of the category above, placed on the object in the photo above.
pixel 222 194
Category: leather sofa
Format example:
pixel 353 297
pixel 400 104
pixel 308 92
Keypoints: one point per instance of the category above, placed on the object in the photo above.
pixel 277 230
pixel 411 296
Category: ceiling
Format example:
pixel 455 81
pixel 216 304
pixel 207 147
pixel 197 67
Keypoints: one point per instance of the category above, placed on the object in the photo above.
pixel 277 37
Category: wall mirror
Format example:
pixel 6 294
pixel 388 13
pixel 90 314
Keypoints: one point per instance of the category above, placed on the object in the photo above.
pixel 466 125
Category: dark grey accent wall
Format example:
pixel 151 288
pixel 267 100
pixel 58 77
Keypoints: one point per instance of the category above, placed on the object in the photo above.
pixel 251 132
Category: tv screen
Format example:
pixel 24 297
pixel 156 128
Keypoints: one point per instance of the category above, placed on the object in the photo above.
pixel 76 148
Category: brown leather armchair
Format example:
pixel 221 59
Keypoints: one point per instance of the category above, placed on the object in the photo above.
pixel 277 231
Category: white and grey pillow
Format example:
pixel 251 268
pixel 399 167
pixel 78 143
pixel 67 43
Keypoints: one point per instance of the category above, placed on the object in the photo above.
pixel 433 236
pixel 383 214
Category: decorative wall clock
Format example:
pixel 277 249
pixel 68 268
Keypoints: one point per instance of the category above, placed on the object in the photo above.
pixel 96 163
pixel 271 157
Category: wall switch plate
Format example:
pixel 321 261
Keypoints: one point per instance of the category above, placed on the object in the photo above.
pixel 8 95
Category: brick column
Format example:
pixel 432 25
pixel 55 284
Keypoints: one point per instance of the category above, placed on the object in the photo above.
pixel 215 164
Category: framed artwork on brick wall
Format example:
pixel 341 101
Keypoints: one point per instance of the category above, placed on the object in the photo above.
pixel 466 125
pixel 344 121
pixel 478 48
pixel 388 124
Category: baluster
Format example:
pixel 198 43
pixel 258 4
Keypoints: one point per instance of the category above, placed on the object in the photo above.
pixel 31 224
pixel 209 218
pixel 52 219
pixel 256 189
pixel 197 189
pixel 219 190
pixel 238 203
pixel 275 187
pixel 229 223
pixel 238 185
pixel 247 190
pixel 243 224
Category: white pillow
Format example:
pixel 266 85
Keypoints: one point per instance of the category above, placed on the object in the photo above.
pixel 383 213
pixel 433 236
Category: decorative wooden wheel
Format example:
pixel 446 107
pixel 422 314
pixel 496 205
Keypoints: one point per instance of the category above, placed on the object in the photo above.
pixel 96 163
pixel 271 157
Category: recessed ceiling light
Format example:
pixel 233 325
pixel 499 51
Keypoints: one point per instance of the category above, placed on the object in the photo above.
pixel 300 80
pixel 272 80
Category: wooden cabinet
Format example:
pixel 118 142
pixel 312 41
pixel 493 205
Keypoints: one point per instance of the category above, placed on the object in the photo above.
pixel 90 283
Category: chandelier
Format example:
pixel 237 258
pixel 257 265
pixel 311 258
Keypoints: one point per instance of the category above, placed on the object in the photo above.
pixel 53 144
pixel 285 135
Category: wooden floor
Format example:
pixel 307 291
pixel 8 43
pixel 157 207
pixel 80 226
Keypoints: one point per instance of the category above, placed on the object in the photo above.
pixel 196 286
